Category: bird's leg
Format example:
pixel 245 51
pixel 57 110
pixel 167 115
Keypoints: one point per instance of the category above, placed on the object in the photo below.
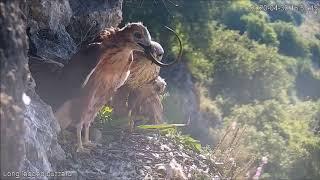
pixel 80 147
pixel 130 123
pixel 86 141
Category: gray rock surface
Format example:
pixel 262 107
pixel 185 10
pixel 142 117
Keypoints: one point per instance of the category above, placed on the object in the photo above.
pixel 28 128
pixel 57 28
pixel 137 156
pixel 43 153
pixel 184 94
pixel 181 85
pixel 14 75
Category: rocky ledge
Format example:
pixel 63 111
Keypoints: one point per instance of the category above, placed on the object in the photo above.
pixel 137 156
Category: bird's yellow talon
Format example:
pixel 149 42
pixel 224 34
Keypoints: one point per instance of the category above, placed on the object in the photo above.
pixel 81 149
pixel 90 144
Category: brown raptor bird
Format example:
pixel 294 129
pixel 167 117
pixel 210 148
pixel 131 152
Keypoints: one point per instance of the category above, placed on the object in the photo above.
pixel 77 90
pixel 139 96
pixel 142 76
pixel 145 102
pixel 112 54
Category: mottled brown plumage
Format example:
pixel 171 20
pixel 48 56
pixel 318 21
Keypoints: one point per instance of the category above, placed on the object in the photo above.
pixel 140 86
pixel 142 74
pixel 113 55
pixel 145 102
pixel 141 70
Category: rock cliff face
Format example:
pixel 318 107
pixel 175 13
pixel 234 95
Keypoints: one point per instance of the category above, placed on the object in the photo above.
pixel 185 95
pixel 43 153
pixel 182 86
pixel 14 75
pixel 55 30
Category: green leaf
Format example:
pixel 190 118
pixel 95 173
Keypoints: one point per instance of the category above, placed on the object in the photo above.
pixel 161 126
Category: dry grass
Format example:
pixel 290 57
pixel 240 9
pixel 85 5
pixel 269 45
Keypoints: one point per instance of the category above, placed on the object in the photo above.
pixel 232 158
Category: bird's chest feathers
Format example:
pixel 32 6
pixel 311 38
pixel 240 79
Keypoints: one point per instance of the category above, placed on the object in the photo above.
pixel 113 71
pixel 123 79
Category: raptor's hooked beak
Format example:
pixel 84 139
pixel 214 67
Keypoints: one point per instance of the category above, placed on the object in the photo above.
pixel 147 49
pixel 157 62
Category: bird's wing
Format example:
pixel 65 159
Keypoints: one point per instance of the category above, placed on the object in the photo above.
pixel 82 64
pixel 78 70
pixel 88 77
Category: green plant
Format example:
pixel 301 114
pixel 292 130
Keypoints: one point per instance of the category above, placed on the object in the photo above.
pixel 259 29
pixel 315 52
pixel 104 117
pixel 170 130
pixel 291 44
pixel 294 16
pixel 280 131
pixel 232 15
pixel 245 70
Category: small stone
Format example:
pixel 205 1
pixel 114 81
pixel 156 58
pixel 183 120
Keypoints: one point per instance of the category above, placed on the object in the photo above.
pixel 202 156
pixel 175 171
pixel 149 138
pixel 156 155
pixel 141 172
pixel 149 161
pixel 161 168
pixel 165 147
pixel 26 99
pixel 216 177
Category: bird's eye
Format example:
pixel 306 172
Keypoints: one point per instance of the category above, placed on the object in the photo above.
pixel 160 55
pixel 138 35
